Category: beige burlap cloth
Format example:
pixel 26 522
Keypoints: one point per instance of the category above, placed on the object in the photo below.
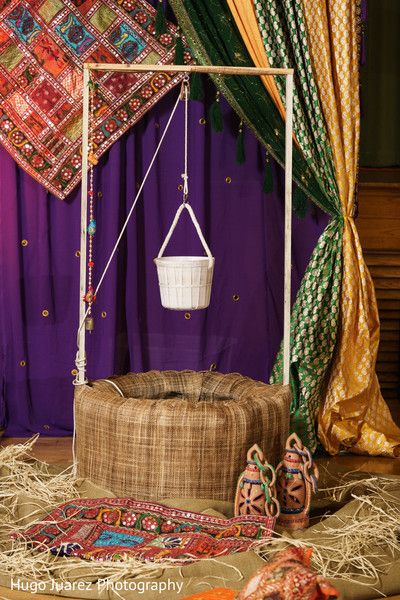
pixel 231 571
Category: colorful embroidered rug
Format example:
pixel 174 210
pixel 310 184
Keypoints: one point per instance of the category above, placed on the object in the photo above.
pixel 118 528
pixel 43 45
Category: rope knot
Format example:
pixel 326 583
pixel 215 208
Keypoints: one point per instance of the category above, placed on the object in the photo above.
pixel 185 178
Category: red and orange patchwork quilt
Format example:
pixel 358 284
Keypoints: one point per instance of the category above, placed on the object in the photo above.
pixel 43 45
pixel 118 528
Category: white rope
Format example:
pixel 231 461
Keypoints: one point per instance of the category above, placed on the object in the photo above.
pixel 80 362
pixel 131 211
pixel 185 175
pixel 195 223
pixel 115 386
pixel 74 461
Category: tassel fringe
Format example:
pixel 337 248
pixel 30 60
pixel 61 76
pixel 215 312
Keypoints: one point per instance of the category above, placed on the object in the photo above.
pixel 240 151
pixel 268 184
pixel 196 87
pixel 216 115
pixel 179 49
pixel 300 202
pixel 160 24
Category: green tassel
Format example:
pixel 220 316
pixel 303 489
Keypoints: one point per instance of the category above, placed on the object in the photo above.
pixel 300 202
pixel 179 49
pixel 268 184
pixel 93 85
pixel 216 115
pixel 196 87
pixel 160 24
pixel 240 152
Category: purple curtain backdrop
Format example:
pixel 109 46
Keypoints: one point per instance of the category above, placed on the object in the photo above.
pixel 244 228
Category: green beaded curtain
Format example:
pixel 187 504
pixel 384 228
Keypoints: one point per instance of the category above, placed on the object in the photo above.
pixel 214 39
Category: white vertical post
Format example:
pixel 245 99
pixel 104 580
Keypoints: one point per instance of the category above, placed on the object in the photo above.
pixel 81 355
pixel 288 228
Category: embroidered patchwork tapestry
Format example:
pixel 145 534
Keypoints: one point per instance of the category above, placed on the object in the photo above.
pixel 118 528
pixel 43 45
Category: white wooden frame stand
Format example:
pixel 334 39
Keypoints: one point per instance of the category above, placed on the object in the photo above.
pixel 221 70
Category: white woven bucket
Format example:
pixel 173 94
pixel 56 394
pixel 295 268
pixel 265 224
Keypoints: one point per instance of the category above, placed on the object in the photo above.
pixel 185 281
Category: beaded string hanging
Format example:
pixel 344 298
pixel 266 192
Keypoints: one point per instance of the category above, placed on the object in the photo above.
pixel 91 229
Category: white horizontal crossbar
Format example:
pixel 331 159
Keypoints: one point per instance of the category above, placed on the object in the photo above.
pixel 124 68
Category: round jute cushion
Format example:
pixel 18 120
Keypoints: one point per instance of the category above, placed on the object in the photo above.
pixel 169 434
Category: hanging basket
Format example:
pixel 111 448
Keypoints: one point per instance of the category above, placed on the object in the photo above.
pixel 185 281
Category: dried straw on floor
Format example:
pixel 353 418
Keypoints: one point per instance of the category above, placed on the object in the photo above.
pixel 363 542
pixel 356 545
pixel 28 483
pixel 355 482
pixel 20 474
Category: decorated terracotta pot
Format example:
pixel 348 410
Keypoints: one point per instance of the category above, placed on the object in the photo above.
pixel 256 491
pixel 297 477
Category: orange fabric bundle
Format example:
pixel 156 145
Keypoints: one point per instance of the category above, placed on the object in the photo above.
pixel 216 594
pixel 288 577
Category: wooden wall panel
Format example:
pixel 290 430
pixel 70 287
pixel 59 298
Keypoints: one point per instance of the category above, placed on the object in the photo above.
pixel 378 224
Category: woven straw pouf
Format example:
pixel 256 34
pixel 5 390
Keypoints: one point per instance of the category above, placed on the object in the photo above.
pixel 169 434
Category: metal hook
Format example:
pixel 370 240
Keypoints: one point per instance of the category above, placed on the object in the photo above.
pixel 185 88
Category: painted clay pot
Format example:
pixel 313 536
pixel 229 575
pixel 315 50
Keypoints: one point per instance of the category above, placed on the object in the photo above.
pixel 256 491
pixel 297 477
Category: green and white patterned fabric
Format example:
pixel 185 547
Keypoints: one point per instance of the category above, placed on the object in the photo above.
pixel 283 30
pixel 316 311
pixel 314 324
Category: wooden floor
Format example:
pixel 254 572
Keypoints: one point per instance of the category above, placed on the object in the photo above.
pixel 59 451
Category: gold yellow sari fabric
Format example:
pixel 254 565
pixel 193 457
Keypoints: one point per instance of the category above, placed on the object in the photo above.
pixel 245 19
pixel 354 414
